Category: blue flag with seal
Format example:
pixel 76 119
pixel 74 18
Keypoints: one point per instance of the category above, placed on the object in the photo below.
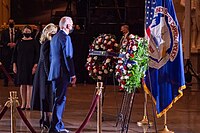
pixel 164 79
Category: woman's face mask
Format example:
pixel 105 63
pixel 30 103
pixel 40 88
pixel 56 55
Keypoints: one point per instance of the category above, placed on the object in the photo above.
pixel 27 35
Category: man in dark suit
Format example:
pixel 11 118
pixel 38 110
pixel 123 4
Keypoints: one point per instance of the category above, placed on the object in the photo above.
pixel 125 31
pixel 61 71
pixel 8 39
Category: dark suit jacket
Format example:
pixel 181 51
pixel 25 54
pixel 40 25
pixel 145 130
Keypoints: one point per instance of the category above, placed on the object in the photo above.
pixel 5 39
pixel 61 56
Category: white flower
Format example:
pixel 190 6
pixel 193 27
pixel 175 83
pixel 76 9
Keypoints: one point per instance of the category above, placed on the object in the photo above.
pixel 89 59
pixel 129 65
pixel 112 39
pixel 109 50
pixel 100 72
pixel 101 46
pixel 95 71
pixel 105 41
pixel 88 68
pixel 95 57
pixel 99 39
pixel 124 71
pixel 126 77
pixel 111 70
pixel 96 47
pixel 127 55
pixel 103 67
pixel 106 71
pixel 109 42
pixel 131 36
pixel 120 61
pixel 134 48
pixel 117 73
pixel 116 45
pixel 122 85
pixel 108 60
pixel 123 52
pixel 117 66
pixel 121 67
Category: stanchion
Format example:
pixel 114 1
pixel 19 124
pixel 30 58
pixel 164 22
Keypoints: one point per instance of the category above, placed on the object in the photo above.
pixel 91 111
pixel 145 120
pixel 14 103
pixel 165 129
pixel 99 107
pixel 13 100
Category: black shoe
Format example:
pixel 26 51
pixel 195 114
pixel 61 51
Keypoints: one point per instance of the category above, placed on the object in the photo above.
pixel 28 108
pixel 23 108
pixel 41 122
pixel 46 124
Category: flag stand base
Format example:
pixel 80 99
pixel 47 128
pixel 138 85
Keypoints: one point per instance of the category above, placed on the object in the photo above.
pixel 165 130
pixel 144 122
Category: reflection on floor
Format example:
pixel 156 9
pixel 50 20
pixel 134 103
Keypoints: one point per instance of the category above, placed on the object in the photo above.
pixel 184 117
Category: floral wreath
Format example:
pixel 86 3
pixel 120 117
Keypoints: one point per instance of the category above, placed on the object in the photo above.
pixel 99 62
pixel 132 65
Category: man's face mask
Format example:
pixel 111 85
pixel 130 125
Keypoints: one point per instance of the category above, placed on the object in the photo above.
pixel 70 31
pixel 11 25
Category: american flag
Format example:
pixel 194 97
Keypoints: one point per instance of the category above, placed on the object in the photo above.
pixel 150 6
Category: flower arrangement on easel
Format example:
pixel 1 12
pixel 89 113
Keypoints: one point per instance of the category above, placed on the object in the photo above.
pixel 132 65
pixel 100 62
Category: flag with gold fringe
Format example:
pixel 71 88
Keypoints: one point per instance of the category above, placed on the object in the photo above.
pixel 165 76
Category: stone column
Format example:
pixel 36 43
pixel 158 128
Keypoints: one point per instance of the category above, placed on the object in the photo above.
pixel 4 11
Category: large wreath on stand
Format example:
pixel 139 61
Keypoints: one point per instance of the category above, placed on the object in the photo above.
pixel 133 62
pixel 101 60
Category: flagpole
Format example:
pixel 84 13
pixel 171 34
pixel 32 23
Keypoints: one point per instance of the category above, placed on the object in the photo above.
pixel 145 120
pixel 165 129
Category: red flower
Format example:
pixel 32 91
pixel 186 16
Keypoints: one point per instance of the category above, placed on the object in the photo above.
pixel 132 55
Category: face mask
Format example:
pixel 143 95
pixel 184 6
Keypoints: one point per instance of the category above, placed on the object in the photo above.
pixel 70 31
pixel 11 25
pixel 27 35
pixel 52 35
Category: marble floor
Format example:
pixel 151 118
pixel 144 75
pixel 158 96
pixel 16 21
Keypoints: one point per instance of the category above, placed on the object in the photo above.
pixel 182 118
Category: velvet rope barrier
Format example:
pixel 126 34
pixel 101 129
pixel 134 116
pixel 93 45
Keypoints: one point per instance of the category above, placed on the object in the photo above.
pixel 3 111
pixel 25 120
pixel 5 72
pixel 90 113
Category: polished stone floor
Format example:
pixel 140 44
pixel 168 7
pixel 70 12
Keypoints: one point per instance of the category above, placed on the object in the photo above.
pixel 184 117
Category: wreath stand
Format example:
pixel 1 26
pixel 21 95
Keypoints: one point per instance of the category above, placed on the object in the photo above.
pixel 126 108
